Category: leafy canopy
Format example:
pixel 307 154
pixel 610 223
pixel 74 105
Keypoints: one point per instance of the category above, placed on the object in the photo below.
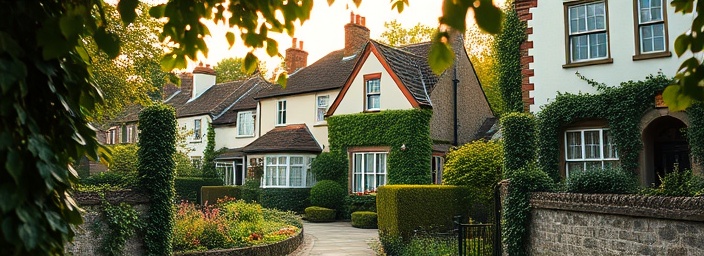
pixel 688 87
pixel 229 69
pixel 396 35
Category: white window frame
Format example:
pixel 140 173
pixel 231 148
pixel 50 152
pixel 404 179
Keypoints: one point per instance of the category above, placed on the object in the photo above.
pixel 281 112
pixel 129 134
pixel 197 162
pixel 368 95
pixel 242 121
pixel 437 162
pixel 274 169
pixel 321 109
pixel 601 160
pixel 230 171
pixel 197 129
pixel 572 35
pixel 362 172
pixel 651 23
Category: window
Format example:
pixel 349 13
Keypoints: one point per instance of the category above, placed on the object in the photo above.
pixel 112 137
pixel 129 134
pixel 281 112
pixel 589 149
pixel 368 171
pixel 373 93
pixel 436 165
pixel 288 171
pixel 232 172
pixel 124 134
pixel 587 32
pixel 196 129
pixel 196 162
pixel 245 123
pixel 651 35
pixel 322 107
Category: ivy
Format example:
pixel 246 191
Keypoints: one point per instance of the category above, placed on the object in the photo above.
pixel 518 130
pixel 695 132
pixel 209 154
pixel 508 50
pixel 122 221
pixel 622 107
pixel 156 170
pixel 391 128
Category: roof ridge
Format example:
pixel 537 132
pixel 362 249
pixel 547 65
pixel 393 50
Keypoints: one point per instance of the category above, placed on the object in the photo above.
pixel 238 99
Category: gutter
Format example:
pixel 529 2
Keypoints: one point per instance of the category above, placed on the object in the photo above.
pixel 455 83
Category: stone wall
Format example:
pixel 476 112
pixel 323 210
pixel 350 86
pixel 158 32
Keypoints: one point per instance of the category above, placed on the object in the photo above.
pixel 592 224
pixel 88 235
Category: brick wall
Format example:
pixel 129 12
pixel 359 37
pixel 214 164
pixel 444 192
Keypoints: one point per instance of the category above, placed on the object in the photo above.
pixel 523 10
pixel 581 224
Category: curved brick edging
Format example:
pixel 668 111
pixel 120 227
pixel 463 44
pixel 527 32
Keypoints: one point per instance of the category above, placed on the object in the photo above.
pixel 279 248
pixel 675 208
pixel 118 196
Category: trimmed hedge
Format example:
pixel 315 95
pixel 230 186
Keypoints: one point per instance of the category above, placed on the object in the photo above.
pixel 364 219
pixel 519 136
pixel 113 179
pixel 404 208
pixel 356 203
pixel 211 194
pixel 607 181
pixel 330 166
pixel 320 214
pixel 328 194
pixel 189 188
pixel 250 191
pixel 285 199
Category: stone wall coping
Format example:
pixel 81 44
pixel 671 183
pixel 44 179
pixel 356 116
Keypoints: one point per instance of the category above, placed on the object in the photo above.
pixel 279 248
pixel 674 208
pixel 114 197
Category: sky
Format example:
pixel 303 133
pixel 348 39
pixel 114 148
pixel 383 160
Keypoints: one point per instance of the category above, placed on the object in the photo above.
pixel 324 31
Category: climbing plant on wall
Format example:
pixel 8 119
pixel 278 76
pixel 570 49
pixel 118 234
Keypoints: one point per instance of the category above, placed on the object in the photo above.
pixel 508 51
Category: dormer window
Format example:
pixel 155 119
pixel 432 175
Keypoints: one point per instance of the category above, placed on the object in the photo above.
pixel 372 92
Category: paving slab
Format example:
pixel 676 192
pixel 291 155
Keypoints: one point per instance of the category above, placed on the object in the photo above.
pixel 336 239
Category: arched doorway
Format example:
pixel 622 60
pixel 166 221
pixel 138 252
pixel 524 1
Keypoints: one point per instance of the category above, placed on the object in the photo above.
pixel 666 148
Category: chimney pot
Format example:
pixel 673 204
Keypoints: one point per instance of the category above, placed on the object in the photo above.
pixel 207 65
pixel 351 17
pixel 356 19
pixel 364 21
pixel 200 64
pixel 293 42
pixel 300 45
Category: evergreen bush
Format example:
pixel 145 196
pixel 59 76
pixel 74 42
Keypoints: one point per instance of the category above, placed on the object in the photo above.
pixel 519 137
pixel 319 214
pixel 328 194
pixel 285 199
pixel 364 219
pixel 189 188
pixel 606 181
pixel 679 183
pixel 250 190
pixel 211 194
pixel 124 158
pixel 330 166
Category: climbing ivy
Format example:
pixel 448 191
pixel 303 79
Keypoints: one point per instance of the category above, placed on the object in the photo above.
pixel 695 132
pixel 508 50
pixel 122 221
pixel 518 130
pixel 209 154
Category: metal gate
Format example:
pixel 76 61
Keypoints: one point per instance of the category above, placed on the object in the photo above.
pixel 481 239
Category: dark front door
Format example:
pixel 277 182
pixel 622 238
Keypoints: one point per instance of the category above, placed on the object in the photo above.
pixel 671 151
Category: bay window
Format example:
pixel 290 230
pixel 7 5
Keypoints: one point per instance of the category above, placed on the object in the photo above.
pixel 288 171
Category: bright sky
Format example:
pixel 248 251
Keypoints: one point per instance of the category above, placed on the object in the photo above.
pixel 324 31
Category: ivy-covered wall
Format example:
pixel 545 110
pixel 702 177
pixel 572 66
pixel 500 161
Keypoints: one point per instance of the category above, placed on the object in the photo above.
pixel 391 128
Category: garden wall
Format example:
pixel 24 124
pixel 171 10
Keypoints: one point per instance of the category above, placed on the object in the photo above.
pixel 87 240
pixel 597 224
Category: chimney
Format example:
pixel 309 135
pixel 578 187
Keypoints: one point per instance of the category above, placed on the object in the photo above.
pixel 203 79
pixel 296 58
pixel 356 34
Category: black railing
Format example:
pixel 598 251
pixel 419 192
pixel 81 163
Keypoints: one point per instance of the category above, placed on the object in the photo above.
pixel 481 239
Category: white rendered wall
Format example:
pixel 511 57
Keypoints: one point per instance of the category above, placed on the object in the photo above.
pixel 201 83
pixel 196 147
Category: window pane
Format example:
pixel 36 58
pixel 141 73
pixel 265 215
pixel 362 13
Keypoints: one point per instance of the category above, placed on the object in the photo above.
pixel 296 160
pixel 581 14
pixel 269 175
pixel 591 145
pixel 574 145
pixel 357 183
pixel 369 182
pixel 609 145
pixel 369 163
pixel 373 101
pixel 656 13
pixel 611 164
pixel 381 165
pixel 380 180
pixel 281 176
pixel 358 163
pixel 296 176
pixel 282 160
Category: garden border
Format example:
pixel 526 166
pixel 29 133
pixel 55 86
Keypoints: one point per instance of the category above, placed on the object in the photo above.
pixel 284 247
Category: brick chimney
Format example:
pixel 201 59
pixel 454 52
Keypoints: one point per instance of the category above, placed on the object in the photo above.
pixel 356 34
pixel 203 79
pixel 296 58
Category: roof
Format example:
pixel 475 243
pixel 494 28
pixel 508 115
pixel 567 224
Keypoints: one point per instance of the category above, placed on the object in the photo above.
pixel 129 114
pixel 328 73
pixel 410 64
pixel 290 138
pixel 489 128
pixel 230 153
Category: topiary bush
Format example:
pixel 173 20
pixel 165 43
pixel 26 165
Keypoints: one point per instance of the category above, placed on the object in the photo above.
pixel 679 183
pixel 211 194
pixel 328 194
pixel 320 214
pixel 356 203
pixel 364 219
pixel 189 188
pixel 330 166
pixel 606 181
pixel 519 138
pixel 124 158
pixel 285 199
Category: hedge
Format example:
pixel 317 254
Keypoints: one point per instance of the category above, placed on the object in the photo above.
pixel 189 188
pixel 211 194
pixel 404 208
pixel 364 219
pixel 607 181
pixel 355 203
pixel 319 214
pixel 328 194
pixel 331 166
pixel 285 199
pixel 112 179
pixel 519 137
pixel 250 191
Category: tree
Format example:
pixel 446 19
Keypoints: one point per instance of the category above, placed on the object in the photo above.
pixel 688 88
pixel 396 35
pixel 48 90
pixel 482 54
pixel 229 69
pixel 209 154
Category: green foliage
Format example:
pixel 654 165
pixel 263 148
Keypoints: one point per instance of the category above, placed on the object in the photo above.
pixel 432 246
pixel 356 203
pixel 391 128
pixel 328 194
pixel 124 158
pixel 319 214
pixel 482 53
pixel 156 170
pixel 189 188
pixel 508 52
pixel 679 183
pixel 516 215
pixel 184 166
pixel 122 221
pixel 687 90
pixel 396 35
pixel 606 181
pixel 211 194
pixel 518 131
pixel 111 179
pixel 229 69
pixel 695 132
pixel 331 166
pixel 622 107
pixel 285 199
pixel 250 190
pixel 364 219
pixel 209 154
pixel 477 166
pixel 404 208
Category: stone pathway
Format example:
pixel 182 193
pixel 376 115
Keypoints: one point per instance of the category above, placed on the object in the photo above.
pixel 335 238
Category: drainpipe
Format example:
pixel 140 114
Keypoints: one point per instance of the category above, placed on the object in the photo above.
pixel 455 82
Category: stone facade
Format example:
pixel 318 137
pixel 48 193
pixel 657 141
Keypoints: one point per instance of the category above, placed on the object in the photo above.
pixel 579 224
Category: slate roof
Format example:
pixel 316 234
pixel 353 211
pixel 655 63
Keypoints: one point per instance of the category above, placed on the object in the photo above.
pixel 489 128
pixel 230 153
pixel 290 138
pixel 410 64
pixel 129 114
pixel 329 72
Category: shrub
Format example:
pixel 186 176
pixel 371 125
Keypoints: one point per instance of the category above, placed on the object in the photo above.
pixel 680 183
pixel 356 203
pixel 211 194
pixel 477 166
pixel 330 166
pixel 432 246
pixel 328 194
pixel 320 214
pixel 124 158
pixel 607 181
pixel 189 188
pixel 111 179
pixel 364 219
pixel 184 166
pixel 519 136
pixel 285 199
pixel 250 190
pixel 241 211
pixel 404 208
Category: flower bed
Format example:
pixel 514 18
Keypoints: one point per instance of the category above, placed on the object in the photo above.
pixel 231 224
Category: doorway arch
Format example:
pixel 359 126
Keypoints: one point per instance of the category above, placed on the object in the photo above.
pixel 665 148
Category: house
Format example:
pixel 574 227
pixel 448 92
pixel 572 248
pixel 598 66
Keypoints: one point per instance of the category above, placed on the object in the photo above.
pixel 609 42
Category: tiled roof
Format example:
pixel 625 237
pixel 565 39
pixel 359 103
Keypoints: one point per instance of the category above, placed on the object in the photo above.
pixel 129 114
pixel 329 72
pixel 489 128
pixel 230 153
pixel 410 64
pixel 290 138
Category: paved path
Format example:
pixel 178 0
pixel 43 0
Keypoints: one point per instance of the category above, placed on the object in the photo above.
pixel 335 238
